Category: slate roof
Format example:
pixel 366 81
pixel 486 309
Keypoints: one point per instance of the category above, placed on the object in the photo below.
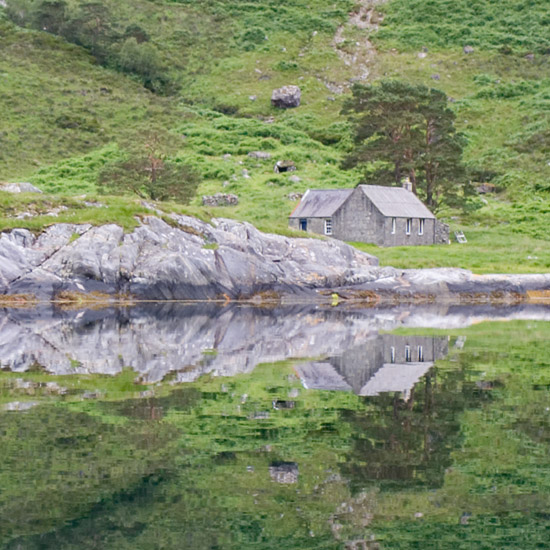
pixel 395 377
pixel 320 203
pixel 396 202
pixel 321 376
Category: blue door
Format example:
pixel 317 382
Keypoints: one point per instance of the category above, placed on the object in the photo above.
pixel 303 224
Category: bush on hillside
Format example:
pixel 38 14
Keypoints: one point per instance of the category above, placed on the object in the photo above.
pixel 93 26
pixel 503 25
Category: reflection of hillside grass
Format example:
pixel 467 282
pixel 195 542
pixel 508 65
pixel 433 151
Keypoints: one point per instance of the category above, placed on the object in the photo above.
pixel 499 481
pixel 194 461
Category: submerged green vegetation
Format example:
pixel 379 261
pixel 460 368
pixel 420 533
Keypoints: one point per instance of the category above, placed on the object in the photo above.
pixel 79 98
pixel 462 461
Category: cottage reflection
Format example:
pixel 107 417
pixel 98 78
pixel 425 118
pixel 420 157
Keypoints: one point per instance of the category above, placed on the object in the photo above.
pixel 384 363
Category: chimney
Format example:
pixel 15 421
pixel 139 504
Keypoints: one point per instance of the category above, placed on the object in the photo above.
pixel 406 184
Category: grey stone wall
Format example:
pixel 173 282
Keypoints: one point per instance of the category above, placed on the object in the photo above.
pixel 358 220
pixel 400 237
pixel 294 223
pixel 433 347
pixel 441 233
pixel 314 225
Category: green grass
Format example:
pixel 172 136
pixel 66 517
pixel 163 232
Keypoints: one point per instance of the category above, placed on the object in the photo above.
pixel 487 251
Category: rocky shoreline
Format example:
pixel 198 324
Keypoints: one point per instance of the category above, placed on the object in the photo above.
pixel 182 258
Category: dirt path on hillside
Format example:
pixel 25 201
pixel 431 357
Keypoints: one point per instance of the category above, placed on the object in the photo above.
pixel 354 48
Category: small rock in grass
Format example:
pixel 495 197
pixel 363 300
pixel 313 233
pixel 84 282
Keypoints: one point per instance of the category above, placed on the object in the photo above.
pixel 262 155
pixel 294 196
pixel 220 199
pixel 468 49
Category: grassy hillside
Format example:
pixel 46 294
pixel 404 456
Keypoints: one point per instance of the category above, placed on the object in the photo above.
pixel 67 111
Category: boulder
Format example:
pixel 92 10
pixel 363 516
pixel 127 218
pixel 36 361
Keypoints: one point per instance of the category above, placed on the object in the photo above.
pixel 284 472
pixel 286 97
pixel 468 49
pixel 189 259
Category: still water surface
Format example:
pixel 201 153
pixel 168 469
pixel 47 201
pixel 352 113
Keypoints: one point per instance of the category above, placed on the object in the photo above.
pixel 200 427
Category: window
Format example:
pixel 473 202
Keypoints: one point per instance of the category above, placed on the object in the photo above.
pixel 393 226
pixel 392 355
pixel 408 354
pixel 408 227
pixel 421 227
pixel 420 354
pixel 328 227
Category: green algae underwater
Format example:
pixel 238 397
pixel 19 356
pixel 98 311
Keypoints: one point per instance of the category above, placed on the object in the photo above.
pixel 259 461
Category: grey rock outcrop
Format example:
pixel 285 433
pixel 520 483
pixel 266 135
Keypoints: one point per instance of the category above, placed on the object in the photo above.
pixel 287 97
pixel 189 259
pixel 20 187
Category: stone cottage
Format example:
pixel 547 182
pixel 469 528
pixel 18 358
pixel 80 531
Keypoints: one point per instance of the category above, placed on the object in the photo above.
pixel 386 216
pixel 381 364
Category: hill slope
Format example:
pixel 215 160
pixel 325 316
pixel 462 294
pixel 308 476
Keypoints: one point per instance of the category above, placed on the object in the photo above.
pixel 67 112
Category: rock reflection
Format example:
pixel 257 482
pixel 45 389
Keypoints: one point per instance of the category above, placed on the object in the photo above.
pixel 190 341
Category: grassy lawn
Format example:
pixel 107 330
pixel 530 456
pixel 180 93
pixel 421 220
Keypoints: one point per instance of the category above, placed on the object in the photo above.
pixel 488 250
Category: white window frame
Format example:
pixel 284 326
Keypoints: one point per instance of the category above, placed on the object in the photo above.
pixel 420 354
pixel 408 357
pixel 392 354
pixel 408 226
pixel 421 226
pixel 328 226
pixel 393 225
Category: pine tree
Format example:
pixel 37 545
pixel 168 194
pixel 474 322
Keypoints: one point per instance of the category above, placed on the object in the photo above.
pixel 403 130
